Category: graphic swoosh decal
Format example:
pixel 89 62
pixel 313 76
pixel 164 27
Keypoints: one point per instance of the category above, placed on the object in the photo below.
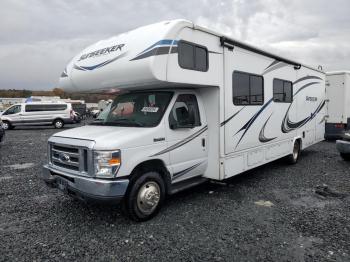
pixel 231 117
pixel 288 126
pixel 93 67
pixel 162 47
pixel 305 86
pixel 182 142
pixel 262 137
pixel 185 171
pixel 251 121
pixel 306 78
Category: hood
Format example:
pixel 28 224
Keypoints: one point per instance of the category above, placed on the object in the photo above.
pixel 113 137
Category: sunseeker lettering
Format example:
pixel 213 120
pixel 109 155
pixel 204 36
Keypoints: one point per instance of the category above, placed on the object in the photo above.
pixel 103 51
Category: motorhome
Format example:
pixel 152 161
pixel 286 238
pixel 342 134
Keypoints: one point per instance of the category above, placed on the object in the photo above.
pixel 192 105
pixel 38 113
pixel 338 103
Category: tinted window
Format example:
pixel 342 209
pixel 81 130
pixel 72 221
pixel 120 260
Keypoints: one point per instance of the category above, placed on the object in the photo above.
pixel 256 90
pixel 247 89
pixel 186 55
pixel 13 110
pixel 192 56
pixel 38 108
pixel 240 84
pixel 282 91
pixel 185 112
pixel 201 59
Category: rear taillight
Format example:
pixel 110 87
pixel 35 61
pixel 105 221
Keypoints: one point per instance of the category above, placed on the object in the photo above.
pixel 339 125
pixel 71 114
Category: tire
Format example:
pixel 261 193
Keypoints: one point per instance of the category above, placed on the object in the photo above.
pixel 149 185
pixel 345 156
pixel 58 123
pixel 294 157
pixel 6 125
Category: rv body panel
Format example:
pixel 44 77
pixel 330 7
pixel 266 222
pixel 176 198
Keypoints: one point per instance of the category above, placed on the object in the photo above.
pixel 338 103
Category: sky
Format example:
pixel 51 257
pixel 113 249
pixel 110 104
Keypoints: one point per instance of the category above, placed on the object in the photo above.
pixel 39 37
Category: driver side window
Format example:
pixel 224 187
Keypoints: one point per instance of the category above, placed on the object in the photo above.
pixel 185 112
pixel 13 110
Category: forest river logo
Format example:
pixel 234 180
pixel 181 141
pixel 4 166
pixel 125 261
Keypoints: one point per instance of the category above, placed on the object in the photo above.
pixel 103 51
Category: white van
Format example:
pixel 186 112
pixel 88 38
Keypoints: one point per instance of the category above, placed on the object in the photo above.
pixel 56 114
pixel 192 105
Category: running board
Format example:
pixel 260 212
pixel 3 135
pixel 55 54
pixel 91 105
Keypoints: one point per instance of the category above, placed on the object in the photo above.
pixel 182 185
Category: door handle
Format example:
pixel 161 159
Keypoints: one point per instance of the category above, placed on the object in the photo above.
pixel 203 142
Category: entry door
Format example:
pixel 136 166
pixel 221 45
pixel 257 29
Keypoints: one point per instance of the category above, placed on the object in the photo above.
pixel 187 138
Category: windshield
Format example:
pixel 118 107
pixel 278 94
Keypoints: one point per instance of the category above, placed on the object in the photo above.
pixel 103 115
pixel 139 109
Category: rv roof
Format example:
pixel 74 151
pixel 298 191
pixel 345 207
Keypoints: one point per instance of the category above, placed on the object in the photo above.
pixel 253 48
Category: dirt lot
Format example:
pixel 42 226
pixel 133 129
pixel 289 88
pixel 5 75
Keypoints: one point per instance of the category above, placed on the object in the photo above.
pixel 272 213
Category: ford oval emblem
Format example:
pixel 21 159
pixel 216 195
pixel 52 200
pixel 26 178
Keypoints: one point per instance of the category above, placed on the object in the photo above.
pixel 64 157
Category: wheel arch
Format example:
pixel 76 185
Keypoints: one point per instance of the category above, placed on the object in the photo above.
pixel 157 165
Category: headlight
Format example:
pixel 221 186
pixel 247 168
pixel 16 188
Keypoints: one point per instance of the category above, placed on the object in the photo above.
pixel 106 163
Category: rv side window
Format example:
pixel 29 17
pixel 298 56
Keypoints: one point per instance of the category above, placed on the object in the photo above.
pixel 38 108
pixel 282 91
pixel 247 89
pixel 192 56
pixel 185 112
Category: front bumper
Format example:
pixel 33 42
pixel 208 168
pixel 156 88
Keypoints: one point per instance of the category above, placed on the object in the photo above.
pixel 85 188
pixel 343 146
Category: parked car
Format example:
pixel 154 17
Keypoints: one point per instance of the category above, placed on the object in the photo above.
pixel 56 114
pixel 343 146
pixel 2 132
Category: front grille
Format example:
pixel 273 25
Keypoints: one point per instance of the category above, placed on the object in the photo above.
pixel 69 157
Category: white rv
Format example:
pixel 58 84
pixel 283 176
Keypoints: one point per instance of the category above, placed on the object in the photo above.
pixel 192 105
pixel 338 105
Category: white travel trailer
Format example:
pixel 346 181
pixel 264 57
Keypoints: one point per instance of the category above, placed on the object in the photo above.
pixel 338 105
pixel 192 105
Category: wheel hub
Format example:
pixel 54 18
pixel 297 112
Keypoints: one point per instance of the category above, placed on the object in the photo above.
pixel 148 197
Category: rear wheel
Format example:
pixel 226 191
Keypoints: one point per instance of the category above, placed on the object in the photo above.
pixel 293 158
pixel 58 123
pixel 145 197
pixel 345 156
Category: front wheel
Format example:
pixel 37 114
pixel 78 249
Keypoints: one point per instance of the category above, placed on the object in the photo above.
pixel 6 125
pixel 293 158
pixel 345 156
pixel 145 197
pixel 58 123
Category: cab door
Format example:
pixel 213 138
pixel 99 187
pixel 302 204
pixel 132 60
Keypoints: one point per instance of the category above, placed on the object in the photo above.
pixel 187 137
pixel 13 114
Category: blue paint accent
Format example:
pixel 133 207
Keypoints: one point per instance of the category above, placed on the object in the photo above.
pixel 161 43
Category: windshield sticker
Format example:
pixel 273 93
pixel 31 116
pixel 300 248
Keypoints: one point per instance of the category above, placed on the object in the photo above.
pixel 149 109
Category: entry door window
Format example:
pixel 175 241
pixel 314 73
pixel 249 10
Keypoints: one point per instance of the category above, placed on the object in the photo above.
pixel 13 110
pixel 185 112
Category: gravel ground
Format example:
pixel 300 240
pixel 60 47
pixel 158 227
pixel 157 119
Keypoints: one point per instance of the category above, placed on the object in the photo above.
pixel 271 213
